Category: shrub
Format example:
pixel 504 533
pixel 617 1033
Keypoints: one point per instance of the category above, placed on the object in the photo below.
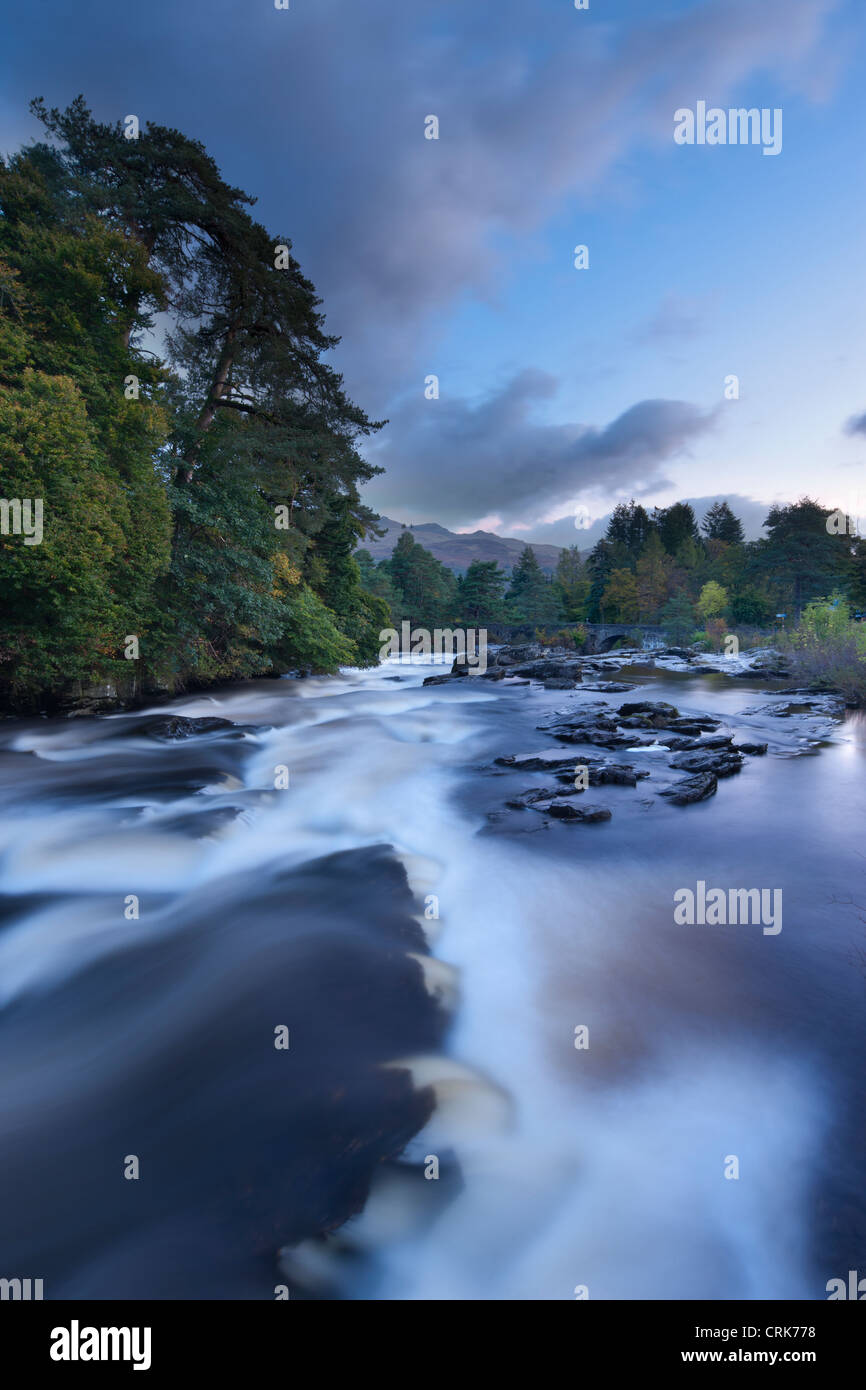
pixel 828 649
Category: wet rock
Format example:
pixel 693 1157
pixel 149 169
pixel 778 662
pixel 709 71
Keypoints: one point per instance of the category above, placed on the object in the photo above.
pixel 596 735
pixel 756 749
pixel 174 727
pixel 608 775
pixel 694 723
pixel 652 708
pixel 609 687
pixel 537 762
pixel 691 789
pixel 722 763
pixel 550 670
pixel 771 664
pixel 832 706
pixel 568 810
pixel 523 800
pixel 513 656
pixel 559 684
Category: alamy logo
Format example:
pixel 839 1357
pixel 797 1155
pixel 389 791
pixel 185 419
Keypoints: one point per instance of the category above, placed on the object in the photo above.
pixel 839 523
pixel 76 1343
pixel 737 907
pixel 464 644
pixel 22 517
pixel 737 126
pixel 23 1289
pixel 856 1288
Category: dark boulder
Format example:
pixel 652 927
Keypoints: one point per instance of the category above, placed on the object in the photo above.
pixel 722 763
pixel 537 762
pixel 652 708
pixel 691 789
pixel 568 810
pixel 607 775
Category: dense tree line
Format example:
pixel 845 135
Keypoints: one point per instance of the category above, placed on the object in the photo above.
pixel 664 567
pixel 657 568
pixel 202 512
pixel 204 499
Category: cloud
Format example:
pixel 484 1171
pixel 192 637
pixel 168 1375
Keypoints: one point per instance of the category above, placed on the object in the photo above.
pixel 856 424
pixel 456 461
pixel 677 317
pixel 524 128
pixel 535 105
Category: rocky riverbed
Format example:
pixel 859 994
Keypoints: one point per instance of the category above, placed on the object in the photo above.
pixel 650 746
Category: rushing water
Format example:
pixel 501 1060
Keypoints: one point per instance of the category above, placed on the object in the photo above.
pixel 560 1167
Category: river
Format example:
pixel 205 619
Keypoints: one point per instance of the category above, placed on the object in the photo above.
pixel 168 906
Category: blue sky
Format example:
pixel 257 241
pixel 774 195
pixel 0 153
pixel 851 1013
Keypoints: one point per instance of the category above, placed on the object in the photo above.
pixel 455 257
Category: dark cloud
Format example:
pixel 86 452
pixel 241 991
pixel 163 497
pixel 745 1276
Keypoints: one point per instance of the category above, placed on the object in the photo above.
pixel 320 111
pixel 457 461
pixel 856 424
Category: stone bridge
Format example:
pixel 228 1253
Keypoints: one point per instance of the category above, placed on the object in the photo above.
pixel 605 635
pixel 601 636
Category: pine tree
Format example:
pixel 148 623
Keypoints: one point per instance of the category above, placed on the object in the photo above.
pixel 573 582
pixel 676 525
pixel 480 593
pixel 678 618
pixel 720 524
pixel 532 598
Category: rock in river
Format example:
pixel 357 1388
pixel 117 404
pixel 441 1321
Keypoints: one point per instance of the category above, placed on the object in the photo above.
pixel 692 789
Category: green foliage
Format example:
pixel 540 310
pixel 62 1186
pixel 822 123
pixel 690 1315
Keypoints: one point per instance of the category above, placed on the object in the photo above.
pixel 427 591
pixel 629 526
pixel 800 559
pixel 532 597
pixel 678 619
pixel 71 600
pixel 720 524
pixel 572 639
pixel 713 600
pixel 620 601
pixel 751 607
pixel 480 593
pixel 828 649
pixel 574 584
pixel 160 482
pixel 677 526
pixel 652 574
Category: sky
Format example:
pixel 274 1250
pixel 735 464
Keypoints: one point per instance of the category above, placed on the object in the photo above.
pixel 560 390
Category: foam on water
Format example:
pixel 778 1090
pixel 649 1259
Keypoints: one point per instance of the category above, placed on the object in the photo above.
pixel 602 1168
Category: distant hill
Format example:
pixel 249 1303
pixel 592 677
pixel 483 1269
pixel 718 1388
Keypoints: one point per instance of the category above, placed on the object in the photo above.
pixel 458 551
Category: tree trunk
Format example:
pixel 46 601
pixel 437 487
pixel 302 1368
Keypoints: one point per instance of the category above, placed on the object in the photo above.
pixel 209 410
